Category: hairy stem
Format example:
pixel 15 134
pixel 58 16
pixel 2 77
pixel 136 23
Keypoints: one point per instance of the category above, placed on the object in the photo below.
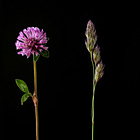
pixel 35 100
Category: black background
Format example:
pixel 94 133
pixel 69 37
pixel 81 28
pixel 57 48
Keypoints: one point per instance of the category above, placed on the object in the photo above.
pixel 65 78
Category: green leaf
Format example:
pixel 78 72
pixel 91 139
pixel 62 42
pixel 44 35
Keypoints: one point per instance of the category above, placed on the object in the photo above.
pixel 36 57
pixel 22 85
pixel 45 53
pixel 25 97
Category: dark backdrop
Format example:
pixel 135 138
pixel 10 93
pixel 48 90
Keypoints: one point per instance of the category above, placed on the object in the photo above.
pixel 65 78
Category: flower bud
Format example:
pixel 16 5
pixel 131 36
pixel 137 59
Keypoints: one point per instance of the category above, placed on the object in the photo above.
pixel 96 55
pixel 99 71
pixel 91 36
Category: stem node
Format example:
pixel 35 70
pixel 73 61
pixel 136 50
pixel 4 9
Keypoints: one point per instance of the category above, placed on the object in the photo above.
pixel 35 100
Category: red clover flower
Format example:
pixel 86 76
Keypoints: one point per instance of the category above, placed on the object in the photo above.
pixel 31 41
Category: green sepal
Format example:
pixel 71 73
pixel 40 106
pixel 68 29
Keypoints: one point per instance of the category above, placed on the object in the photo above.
pixel 22 85
pixel 48 39
pixel 36 57
pixel 45 53
pixel 25 97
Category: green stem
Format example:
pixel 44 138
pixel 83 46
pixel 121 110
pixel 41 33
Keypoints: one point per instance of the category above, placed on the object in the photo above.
pixel 92 130
pixel 92 117
pixel 36 101
pixel 94 85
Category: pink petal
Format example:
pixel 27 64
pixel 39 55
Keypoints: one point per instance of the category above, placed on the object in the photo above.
pixel 29 29
pixel 36 53
pixel 40 34
pixel 42 41
pixel 45 48
pixel 25 32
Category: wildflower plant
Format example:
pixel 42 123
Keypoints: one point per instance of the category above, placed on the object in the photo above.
pixel 97 64
pixel 32 41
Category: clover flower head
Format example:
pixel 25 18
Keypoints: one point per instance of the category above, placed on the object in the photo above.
pixel 31 41
pixel 91 36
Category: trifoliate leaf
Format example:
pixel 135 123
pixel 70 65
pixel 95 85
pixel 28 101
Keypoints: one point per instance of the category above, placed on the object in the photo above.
pixel 45 53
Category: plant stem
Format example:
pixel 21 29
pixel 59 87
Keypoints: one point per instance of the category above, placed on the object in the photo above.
pixel 35 78
pixel 37 123
pixel 94 84
pixel 92 117
pixel 93 111
pixel 92 130
pixel 36 100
